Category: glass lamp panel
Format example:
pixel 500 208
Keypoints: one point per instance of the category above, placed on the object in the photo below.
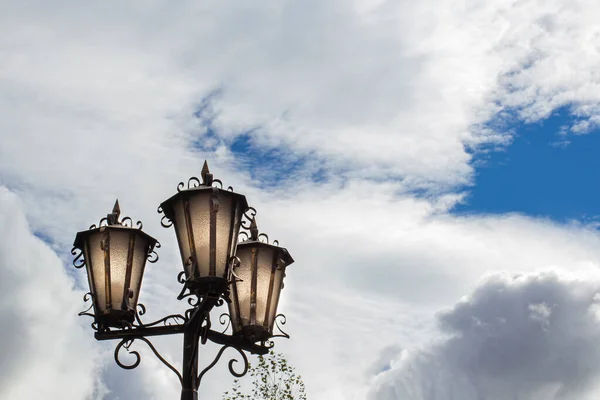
pixel 244 273
pixel 119 251
pixel 224 234
pixel 199 214
pixel 263 280
pixel 181 231
pixel 140 254
pixel 276 290
pixel 94 261
pixel 233 311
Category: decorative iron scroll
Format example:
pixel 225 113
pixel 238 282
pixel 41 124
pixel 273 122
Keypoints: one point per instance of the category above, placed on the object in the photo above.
pixel 152 256
pixel 164 221
pixel 222 321
pixel 231 363
pixel 192 183
pixel 264 236
pixel 173 319
pixel 113 219
pixel 127 342
pixel 277 324
pixel 247 218
pixel 78 262
pixel 89 296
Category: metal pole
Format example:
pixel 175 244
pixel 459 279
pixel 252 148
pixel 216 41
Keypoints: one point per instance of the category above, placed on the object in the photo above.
pixel 191 336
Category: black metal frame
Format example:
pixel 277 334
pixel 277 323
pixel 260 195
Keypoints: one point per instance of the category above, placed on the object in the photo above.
pixel 195 325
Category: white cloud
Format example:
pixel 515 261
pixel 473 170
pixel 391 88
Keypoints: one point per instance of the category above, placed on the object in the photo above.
pixel 44 350
pixel 518 336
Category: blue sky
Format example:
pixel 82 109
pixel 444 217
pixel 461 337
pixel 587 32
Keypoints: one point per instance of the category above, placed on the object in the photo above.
pixel 539 175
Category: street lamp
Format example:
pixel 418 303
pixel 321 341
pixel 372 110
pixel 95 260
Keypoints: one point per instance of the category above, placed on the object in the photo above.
pixel 216 269
pixel 257 284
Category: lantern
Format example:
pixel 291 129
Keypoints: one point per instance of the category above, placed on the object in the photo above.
pixel 207 222
pixel 114 254
pixel 256 287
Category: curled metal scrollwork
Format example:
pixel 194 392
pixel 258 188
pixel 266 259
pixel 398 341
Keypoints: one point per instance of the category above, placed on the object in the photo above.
pixel 128 222
pixel 278 325
pixel 125 221
pixel 141 311
pixel 249 214
pixel 152 255
pixel 89 296
pixel 181 278
pixel 126 343
pixel 173 319
pixel 193 301
pixel 192 183
pixel 245 234
pixel 78 262
pixel 164 221
pixel 266 239
pixel 222 321
pixel 230 364
pixel 219 182
pixel 235 262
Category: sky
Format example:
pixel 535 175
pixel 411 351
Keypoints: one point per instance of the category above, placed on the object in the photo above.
pixel 431 167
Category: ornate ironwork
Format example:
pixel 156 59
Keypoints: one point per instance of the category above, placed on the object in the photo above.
pixel 247 218
pixel 266 237
pixel 152 256
pixel 173 319
pixel 164 221
pixel 223 321
pixel 78 262
pixel 113 219
pixel 127 342
pixel 195 182
pixel 230 364
pixel 89 296
pixel 277 324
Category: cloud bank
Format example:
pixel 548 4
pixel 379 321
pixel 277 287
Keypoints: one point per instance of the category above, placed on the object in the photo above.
pixel 517 336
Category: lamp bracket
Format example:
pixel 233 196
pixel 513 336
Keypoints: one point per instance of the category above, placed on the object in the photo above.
pixel 230 364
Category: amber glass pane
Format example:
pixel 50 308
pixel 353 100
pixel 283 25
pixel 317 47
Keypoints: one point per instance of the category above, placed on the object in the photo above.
pixel 199 208
pixel 119 250
pixel 279 273
pixel 94 260
pixel 263 278
pixel 233 313
pixel 243 287
pixel 181 231
pixel 224 234
pixel 139 261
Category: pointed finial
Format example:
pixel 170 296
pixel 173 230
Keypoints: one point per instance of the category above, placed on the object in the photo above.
pixel 113 218
pixel 253 229
pixel 207 177
pixel 117 208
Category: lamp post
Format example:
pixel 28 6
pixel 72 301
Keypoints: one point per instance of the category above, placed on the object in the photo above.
pixel 208 221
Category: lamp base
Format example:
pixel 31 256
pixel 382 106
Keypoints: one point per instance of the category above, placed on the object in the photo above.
pixel 209 286
pixel 115 319
pixel 254 333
